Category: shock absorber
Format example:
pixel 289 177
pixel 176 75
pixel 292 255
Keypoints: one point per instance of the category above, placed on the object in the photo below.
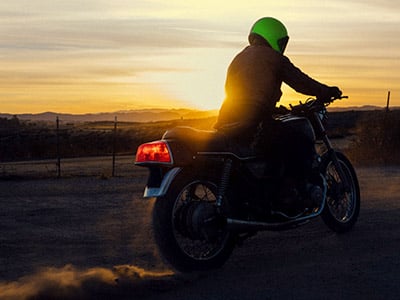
pixel 225 176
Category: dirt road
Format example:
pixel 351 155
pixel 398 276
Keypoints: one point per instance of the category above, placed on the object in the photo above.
pixel 90 238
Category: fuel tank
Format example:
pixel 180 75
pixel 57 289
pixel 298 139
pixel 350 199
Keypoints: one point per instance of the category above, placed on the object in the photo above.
pixel 298 126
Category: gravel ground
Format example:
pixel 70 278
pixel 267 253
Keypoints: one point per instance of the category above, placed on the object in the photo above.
pixel 90 238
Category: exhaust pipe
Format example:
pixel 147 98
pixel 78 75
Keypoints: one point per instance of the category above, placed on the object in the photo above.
pixel 318 196
pixel 243 226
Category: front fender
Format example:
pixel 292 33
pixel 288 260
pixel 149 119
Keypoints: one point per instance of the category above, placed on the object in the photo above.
pixel 162 188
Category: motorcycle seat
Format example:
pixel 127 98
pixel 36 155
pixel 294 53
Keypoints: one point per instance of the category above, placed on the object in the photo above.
pixel 204 140
pixel 198 140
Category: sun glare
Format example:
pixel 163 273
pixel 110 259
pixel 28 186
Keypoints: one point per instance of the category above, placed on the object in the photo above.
pixel 172 54
pixel 197 81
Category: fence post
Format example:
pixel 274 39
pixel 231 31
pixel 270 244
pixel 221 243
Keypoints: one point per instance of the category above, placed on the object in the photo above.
pixel 114 146
pixel 387 101
pixel 58 163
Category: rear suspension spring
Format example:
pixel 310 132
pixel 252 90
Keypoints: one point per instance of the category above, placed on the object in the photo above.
pixel 226 173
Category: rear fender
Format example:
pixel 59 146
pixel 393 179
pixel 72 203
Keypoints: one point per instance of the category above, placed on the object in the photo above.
pixel 159 181
pixel 162 174
pixel 182 154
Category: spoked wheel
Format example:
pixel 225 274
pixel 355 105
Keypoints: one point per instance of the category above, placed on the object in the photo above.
pixel 343 201
pixel 189 232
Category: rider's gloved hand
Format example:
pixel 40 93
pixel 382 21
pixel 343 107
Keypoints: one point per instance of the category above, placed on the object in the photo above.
pixel 332 92
pixel 335 92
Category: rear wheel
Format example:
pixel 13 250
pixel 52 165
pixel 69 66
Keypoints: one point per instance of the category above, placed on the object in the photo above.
pixel 190 234
pixel 343 203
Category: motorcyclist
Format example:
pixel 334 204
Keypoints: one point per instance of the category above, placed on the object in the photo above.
pixel 253 88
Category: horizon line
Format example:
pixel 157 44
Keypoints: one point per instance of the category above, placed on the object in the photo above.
pixel 175 109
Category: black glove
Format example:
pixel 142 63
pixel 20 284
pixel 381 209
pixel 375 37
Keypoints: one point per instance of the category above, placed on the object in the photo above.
pixel 335 92
pixel 332 92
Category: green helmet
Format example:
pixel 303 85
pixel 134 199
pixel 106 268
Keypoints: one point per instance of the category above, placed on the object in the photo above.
pixel 273 31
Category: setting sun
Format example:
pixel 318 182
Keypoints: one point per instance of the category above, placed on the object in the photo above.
pixel 99 56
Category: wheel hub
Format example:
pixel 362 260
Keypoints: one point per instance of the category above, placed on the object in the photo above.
pixel 198 221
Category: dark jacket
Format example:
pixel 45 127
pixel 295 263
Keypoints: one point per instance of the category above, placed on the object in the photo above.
pixel 253 86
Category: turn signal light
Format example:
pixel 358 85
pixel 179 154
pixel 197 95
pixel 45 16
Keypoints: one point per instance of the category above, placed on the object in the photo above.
pixel 154 152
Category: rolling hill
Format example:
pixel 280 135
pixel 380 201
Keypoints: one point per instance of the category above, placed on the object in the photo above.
pixel 147 115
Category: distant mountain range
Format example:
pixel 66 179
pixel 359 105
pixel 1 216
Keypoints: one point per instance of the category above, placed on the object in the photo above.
pixel 359 108
pixel 145 115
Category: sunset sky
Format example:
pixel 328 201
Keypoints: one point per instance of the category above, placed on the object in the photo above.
pixel 99 55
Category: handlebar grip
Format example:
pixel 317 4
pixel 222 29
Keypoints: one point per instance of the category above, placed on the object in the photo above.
pixel 335 98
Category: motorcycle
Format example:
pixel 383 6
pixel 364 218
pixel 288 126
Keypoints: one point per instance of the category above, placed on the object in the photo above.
pixel 210 197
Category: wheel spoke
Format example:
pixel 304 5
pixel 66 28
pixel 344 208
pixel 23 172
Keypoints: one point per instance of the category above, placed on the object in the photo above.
pixel 196 248
pixel 340 203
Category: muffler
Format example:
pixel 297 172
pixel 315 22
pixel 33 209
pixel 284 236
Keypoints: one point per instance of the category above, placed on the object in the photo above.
pixel 317 195
pixel 244 226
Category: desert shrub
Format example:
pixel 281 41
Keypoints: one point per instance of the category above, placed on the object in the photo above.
pixel 378 139
pixel 342 124
pixel 26 140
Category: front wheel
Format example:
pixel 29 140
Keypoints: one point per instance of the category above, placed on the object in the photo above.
pixel 189 233
pixel 343 203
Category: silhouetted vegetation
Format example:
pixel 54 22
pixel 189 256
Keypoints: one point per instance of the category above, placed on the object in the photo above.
pixel 23 140
pixel 376 136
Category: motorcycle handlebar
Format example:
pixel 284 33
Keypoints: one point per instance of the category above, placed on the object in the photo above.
pixel 313 104
pixel 330 100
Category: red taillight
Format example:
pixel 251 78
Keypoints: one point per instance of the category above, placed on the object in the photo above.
pixel 155 152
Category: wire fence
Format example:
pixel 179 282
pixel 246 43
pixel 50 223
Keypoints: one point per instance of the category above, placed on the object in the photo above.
pixel 106 149
pixel 103 167
pixel 62 148
pixel 50 149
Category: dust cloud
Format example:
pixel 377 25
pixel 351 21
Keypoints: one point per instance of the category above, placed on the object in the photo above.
pixel 69 282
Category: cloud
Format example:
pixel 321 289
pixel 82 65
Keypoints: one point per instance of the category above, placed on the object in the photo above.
pixel 163 42
pixel 71 283
pixel 105 33
pixel 380 4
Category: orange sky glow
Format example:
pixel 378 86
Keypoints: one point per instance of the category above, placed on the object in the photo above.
pixel 97 55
